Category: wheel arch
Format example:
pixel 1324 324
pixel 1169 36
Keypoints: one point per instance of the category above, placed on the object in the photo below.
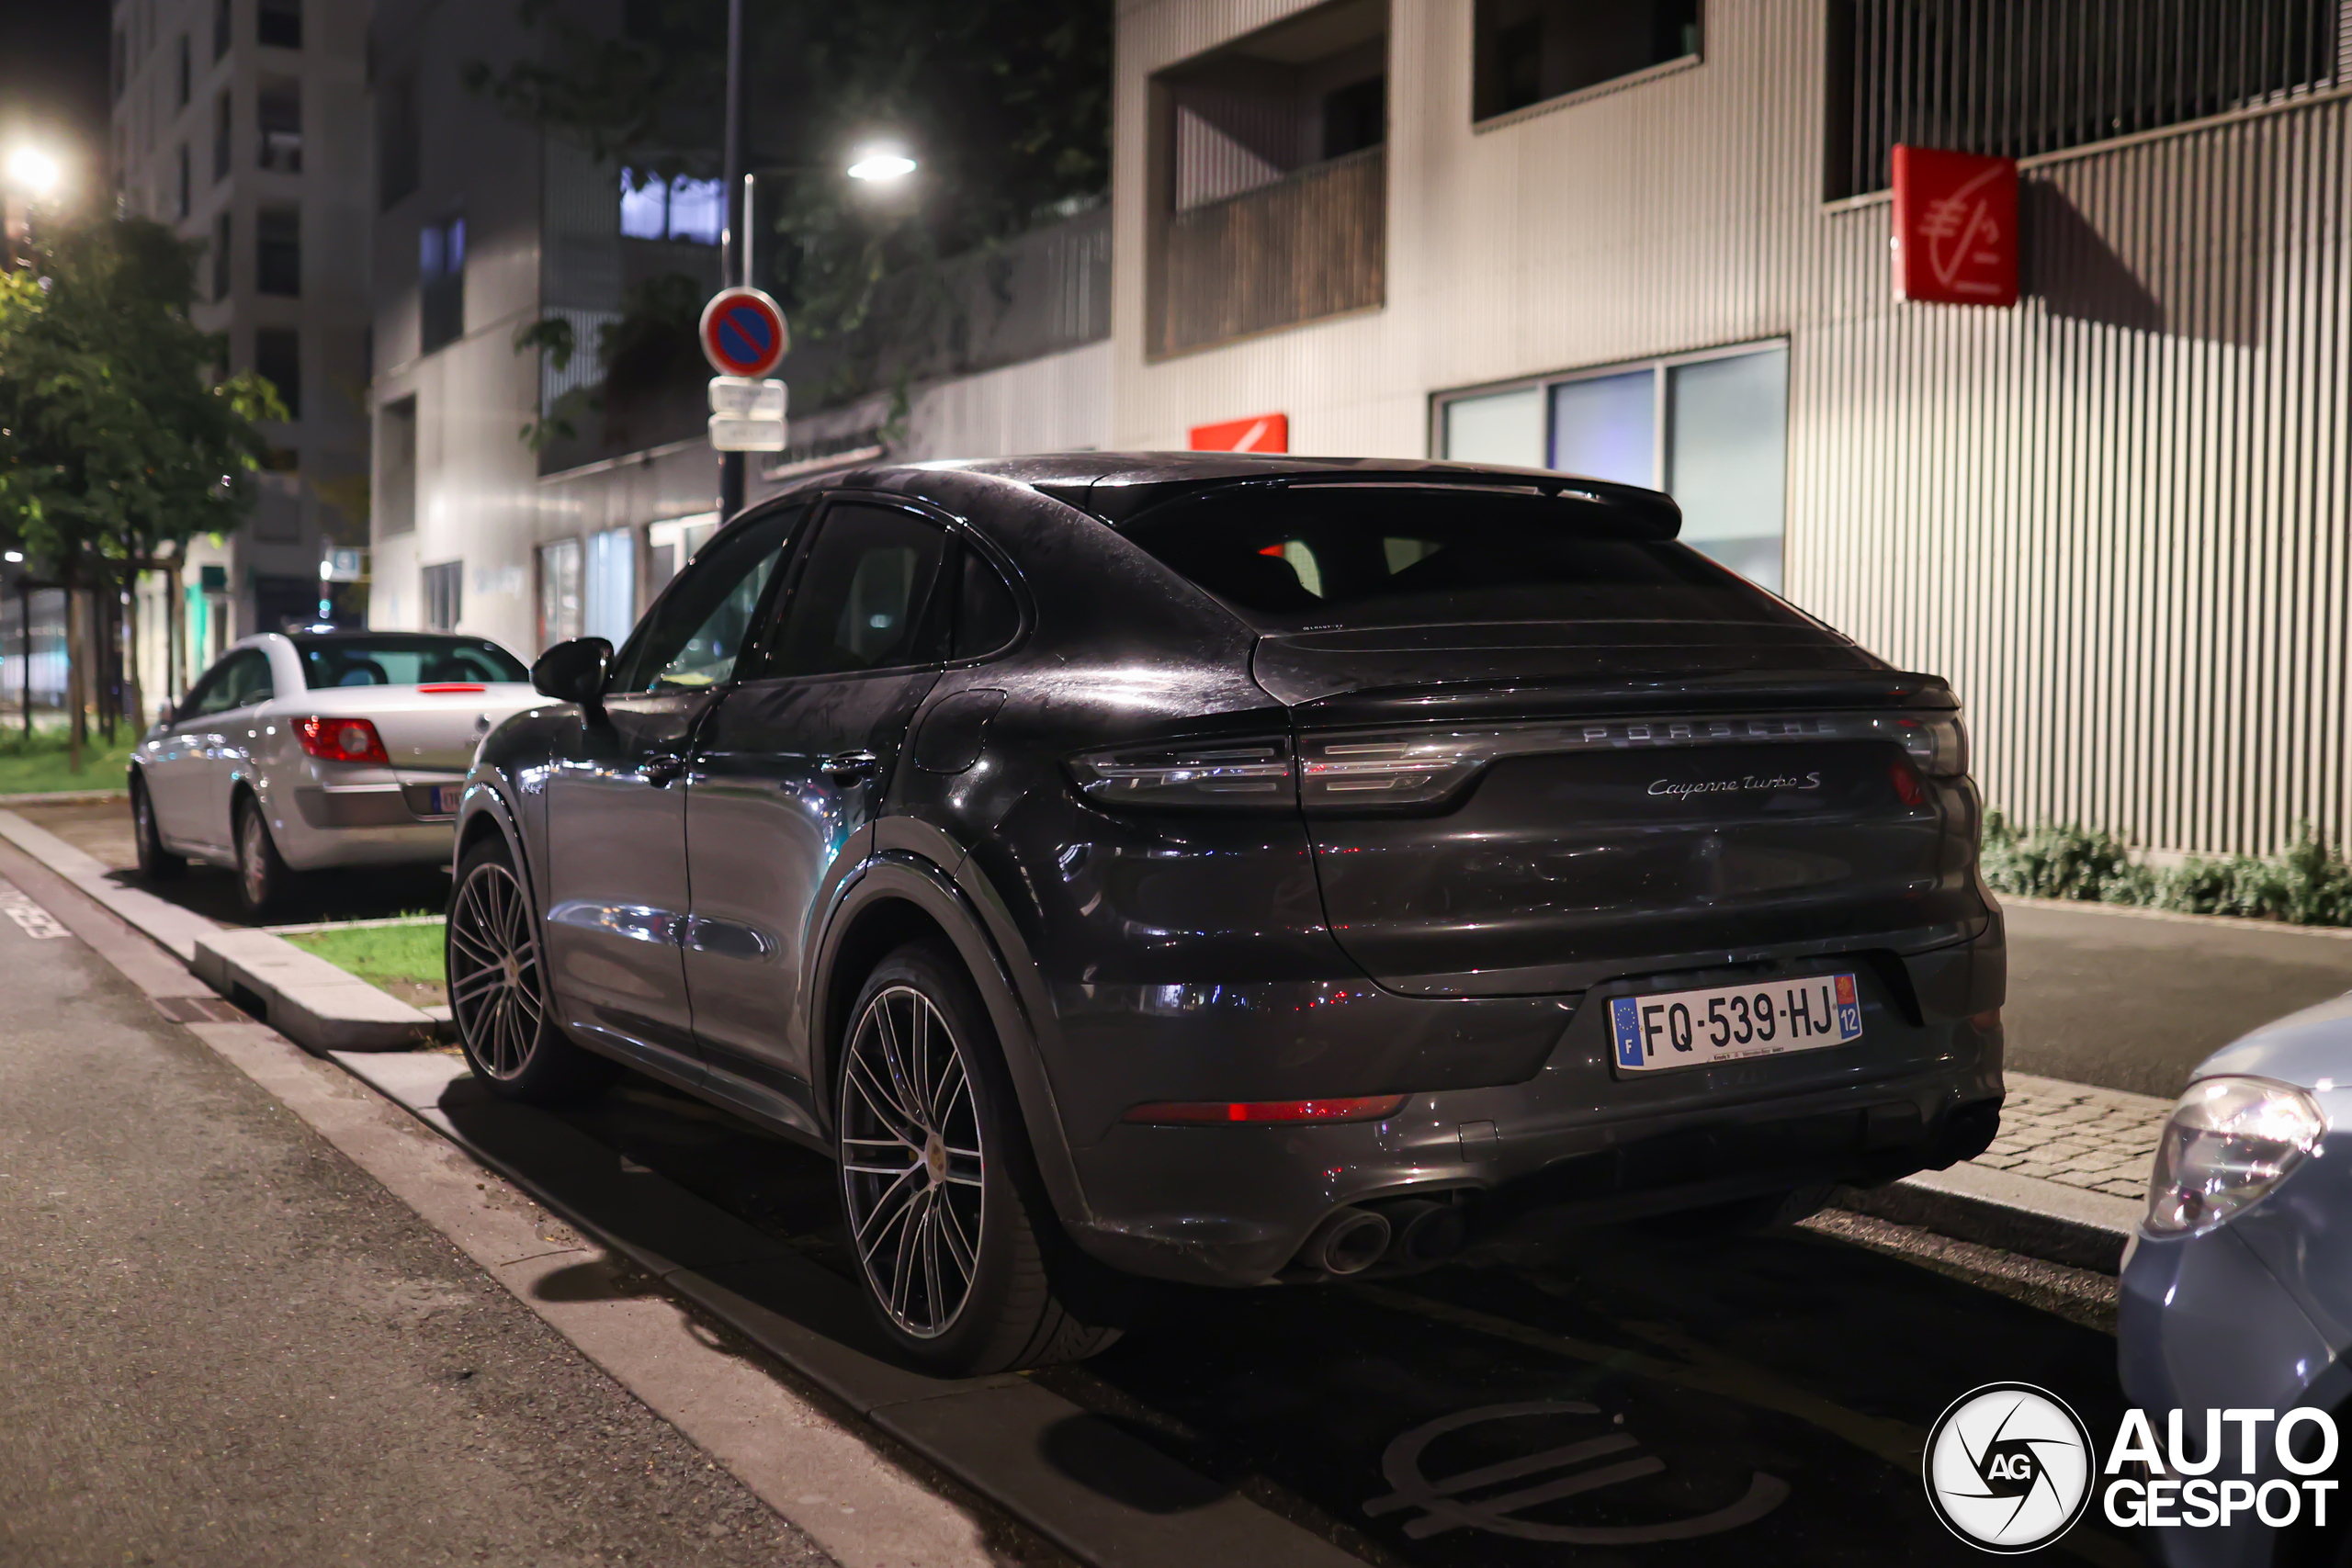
pixel 900 897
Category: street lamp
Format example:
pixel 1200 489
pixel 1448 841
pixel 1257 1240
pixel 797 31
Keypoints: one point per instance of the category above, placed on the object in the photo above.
pixel 881 165
pixel 34 172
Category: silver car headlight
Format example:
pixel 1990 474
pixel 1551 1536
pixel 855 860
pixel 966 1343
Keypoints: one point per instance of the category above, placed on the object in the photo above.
pixel 2229 1142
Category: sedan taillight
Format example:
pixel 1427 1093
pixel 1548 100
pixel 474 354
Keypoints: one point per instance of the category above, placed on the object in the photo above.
pixel 1196 1112
pixel 342 740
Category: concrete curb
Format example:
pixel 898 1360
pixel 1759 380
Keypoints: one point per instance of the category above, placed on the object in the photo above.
pixel 65 797
pixel 304 997
pixel 2017 1213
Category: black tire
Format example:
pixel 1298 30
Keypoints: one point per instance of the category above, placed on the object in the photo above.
pixel 266 885
pixel 932 1147
pixel 498 988
pixel 156 863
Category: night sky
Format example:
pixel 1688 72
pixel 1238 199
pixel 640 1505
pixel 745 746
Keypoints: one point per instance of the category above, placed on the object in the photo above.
pixel 54 82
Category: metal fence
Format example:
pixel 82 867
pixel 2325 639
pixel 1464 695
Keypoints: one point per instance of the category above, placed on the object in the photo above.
pixel 2017 78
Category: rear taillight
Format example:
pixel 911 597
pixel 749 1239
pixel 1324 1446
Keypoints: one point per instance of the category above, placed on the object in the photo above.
pixel 342 740
pixel 1938 745
pixel 1197 1113
pixel 1214 773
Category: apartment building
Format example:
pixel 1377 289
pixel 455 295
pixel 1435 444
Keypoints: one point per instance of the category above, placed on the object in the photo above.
pixel 243 125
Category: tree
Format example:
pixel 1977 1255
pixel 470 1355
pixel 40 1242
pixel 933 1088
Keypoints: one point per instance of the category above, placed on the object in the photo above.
pixel 1006 103
pixel 118 436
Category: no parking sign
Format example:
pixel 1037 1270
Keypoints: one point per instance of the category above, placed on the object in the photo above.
pixel 743 333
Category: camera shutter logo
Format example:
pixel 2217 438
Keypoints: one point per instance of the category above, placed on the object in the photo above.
pixel 2009 1467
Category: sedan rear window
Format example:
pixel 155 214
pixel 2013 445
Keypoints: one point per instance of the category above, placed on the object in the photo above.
pixel 1327 556
pixel 397 660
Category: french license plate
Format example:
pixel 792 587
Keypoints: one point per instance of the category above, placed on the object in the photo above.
pixel 1689 1029
pixel 445 798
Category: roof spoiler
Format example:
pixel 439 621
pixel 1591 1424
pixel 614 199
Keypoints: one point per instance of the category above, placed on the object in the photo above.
pixel 1631 511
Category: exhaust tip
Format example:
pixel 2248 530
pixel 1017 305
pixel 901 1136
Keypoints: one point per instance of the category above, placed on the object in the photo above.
pixel 1433 1232
pixel 1349 1241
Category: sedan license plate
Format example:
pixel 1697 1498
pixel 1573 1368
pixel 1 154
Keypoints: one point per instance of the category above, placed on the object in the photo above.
pixel 1691 1029
pixel 445 798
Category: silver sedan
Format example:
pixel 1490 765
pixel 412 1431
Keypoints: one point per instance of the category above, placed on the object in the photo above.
pixel 300 752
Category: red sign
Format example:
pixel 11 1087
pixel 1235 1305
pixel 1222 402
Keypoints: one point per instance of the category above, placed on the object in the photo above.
pixel 1259 432
pixel 1955 228
pixel 743 333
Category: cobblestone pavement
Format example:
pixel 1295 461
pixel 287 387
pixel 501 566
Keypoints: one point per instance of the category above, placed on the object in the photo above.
pixel 2101 1140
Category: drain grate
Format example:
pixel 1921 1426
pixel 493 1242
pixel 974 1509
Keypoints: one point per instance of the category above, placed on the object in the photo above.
pixel 200 1010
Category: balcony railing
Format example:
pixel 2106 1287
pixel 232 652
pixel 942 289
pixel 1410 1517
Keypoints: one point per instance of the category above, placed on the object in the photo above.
pixel 1312 244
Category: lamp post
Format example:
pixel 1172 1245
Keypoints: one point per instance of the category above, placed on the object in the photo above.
pixel 734 262
pixel 32 176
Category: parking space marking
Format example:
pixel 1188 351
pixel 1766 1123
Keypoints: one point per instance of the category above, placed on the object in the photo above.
pixel 35 921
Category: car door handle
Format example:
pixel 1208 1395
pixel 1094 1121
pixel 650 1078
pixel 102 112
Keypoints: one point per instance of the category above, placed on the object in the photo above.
pixel 845 767
pixel 662 768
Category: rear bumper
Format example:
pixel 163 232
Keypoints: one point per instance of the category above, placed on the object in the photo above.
pixel 1573 1147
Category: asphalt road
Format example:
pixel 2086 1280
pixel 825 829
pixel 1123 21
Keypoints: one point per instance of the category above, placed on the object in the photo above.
pixel 220 1343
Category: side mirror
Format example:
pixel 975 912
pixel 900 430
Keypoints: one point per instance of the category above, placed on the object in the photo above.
pixel 165 716
pixel 574 671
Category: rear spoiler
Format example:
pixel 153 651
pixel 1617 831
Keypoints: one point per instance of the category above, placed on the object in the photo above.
pixel 1630 512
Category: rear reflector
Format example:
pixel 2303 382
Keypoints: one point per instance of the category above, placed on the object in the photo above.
pixel 1190 1113
pixel 441 688
pixel 342 740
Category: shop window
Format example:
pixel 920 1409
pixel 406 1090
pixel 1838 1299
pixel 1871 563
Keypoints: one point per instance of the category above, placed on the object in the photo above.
pixel 1710 429
pixel 277 251
pixel 608 597
pixel 395 499
pixel 559 592
pixel 1528 50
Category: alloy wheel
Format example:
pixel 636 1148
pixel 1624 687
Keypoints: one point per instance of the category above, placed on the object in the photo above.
pixel 494 971
pixel 912 1161
pixel 252 858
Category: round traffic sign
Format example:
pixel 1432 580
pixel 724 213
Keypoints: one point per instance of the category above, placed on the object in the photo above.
pixel 743 333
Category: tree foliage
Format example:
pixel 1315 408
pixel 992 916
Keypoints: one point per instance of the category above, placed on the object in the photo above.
pixel 114 439
pixel 1004 103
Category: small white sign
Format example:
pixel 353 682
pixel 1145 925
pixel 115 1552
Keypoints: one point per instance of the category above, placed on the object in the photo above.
pixel 732 433
pixel 746 399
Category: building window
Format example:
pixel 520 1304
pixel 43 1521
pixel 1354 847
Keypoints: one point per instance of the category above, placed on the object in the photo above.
pixel 1276 196
pixel 1528 50
pixel 220 259
pixel 186 72
pixel 278 23
pixel 441 282
pixel 399 140
pixel 1712 430
pixel 278 356
pixel 186 193
pixel 680 208
pixel 608 601
pixel 119 67
pixel 279 107
pixel 445 595
pixel 396 451
pixel 277 250
pixel 223 119
pixel 559 592
pixel 2015 78
pixel 221 31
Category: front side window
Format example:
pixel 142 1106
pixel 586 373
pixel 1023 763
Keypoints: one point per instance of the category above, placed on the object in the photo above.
pixel 695 635
pixel 861 595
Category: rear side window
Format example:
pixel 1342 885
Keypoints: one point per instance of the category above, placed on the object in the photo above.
pixel 1316 557
pixel 986 614
pixel 861 595
pixel 406 661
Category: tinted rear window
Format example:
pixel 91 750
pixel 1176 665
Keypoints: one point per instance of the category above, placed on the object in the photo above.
pixel 393 660
pixel 1317 557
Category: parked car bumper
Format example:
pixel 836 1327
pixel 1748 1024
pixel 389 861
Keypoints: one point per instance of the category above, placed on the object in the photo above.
pixel 1571 1146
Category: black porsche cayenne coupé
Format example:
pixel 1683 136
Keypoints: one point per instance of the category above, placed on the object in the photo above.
pixel 1233 869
